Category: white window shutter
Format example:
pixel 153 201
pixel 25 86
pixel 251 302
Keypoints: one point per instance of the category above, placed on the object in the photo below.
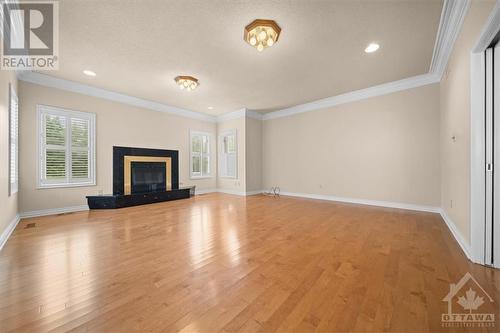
pixel 199 143
pixel 13 141
pixel 67 150
pixel 228 154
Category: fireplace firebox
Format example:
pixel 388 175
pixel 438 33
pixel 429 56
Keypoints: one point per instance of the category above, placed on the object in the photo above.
pixel 148 177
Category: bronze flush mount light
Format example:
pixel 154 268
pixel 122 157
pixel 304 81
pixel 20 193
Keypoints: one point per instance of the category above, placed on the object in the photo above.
pixel 262 34
pixel 186 82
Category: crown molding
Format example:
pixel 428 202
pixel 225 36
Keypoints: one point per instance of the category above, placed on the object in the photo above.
pixel 254 115
pixel 452 18
pixel 489 31
pixel 232 115
pixel 53 82
pixel 241 113
pixel 357 95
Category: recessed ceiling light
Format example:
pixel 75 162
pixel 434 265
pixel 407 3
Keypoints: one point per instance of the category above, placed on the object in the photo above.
pixel 372 47
pixel 89 73
pixel 187 82
pixel 262 34
pixel 210 108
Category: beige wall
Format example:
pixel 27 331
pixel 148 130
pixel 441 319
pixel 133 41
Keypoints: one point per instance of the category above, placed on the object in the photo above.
pixel 253 154
pixel 8 204
pixel 237 184
pixel 116 125
pixel 382 148
pixel 455 121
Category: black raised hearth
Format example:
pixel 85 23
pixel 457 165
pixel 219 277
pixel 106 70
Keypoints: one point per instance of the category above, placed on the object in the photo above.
pixel 142 176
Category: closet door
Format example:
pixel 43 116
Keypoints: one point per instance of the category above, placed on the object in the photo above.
pixel 493 230
pixel 490 155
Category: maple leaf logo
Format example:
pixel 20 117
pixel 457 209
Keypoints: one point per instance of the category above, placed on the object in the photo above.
pixel 471 301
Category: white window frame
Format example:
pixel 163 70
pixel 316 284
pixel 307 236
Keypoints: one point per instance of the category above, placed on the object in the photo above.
pixel 13 141
pixel 223 155
pixel 200 175
pixel 42 110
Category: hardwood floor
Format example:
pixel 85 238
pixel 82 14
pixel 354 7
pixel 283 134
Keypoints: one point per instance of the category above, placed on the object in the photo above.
pixel 218 262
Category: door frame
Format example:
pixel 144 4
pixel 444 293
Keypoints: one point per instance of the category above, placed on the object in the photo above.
pixel 477 132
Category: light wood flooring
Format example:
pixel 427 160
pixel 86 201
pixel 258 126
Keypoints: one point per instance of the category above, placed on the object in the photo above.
pixel 219 262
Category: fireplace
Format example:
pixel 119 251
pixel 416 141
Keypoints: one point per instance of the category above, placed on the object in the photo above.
pixel 142 176
pixel 142 170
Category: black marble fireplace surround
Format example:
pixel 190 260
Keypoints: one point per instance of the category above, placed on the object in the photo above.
pixel 118 164
pixel 148 180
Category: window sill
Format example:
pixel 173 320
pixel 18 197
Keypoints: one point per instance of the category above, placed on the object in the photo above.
pixel 228 177
pixel 64 185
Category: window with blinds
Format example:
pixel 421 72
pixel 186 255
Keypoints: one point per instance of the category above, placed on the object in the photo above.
pixel 200 154
pixel 13 141
pixel 67 153
pixel 228 156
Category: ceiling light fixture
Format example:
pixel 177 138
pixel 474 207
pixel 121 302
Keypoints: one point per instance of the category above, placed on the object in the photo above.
pixel 89 73
pixel 187 82
pixel 262 34
pixel 210 108
pixel 372 47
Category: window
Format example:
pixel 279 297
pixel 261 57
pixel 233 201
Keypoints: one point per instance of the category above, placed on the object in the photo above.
pixel 228 158
pixel 66 146
pixel 13 141
pixel 200 154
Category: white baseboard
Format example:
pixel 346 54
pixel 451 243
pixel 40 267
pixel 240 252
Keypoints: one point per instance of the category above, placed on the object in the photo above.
pixel 254 192
pixel 8 231
pixel 458 236
pixel 54 211
pixel 227 191
pixel 205 191
pixel 387 204
pixel 234 192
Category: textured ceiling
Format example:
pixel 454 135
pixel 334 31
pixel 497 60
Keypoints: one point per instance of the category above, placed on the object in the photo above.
pixel 138 47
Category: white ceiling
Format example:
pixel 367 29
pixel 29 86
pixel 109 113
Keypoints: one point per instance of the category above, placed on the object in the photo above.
pixel 138 47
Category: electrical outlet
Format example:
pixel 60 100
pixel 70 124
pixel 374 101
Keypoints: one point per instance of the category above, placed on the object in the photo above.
pixel 451 203
pixel 100 192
